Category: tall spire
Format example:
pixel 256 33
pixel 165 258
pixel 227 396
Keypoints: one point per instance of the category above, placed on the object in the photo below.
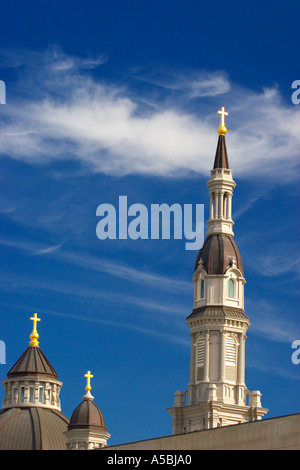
pixel 220 187
pixel 217 394
pixel 221 159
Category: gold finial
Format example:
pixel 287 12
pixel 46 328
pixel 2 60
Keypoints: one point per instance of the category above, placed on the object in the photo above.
pixel 88 376
pixel 34 335
pixel 222 129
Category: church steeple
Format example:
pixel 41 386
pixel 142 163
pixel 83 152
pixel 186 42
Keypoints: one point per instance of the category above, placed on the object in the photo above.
pixel 221 159
pixel 221 187
pixel 217 394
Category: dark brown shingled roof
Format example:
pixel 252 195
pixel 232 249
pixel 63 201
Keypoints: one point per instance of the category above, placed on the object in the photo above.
pixel 221 158
pixel 217 311
pixel 32 361
pixel 32 428
pixel 87 415
pixel 217 253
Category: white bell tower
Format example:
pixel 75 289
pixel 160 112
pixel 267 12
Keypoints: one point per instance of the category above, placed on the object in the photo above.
pixel 217 394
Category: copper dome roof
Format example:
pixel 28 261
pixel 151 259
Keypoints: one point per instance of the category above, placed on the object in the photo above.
pixel 32 362
pixel 87 415
pixel 217 254
pixel 32 428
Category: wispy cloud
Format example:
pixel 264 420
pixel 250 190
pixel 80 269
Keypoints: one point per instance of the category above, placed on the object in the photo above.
pixel 193 83
pixel 269 323
pixel 275 370
pixel 158 333
pixel 278 259
pixel 69 288
pixel 47 250
pixel 60 111
pixel 95 263
pixel 53 59
pixel 119 269
pixel 146 330
pixel 249 203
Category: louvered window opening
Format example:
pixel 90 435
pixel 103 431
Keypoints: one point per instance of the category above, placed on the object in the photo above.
pixel 230 351
pixel 200 358
pixel 200 352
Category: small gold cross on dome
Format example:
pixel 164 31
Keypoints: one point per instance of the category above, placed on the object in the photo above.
pixel 88 376
pixel 35 320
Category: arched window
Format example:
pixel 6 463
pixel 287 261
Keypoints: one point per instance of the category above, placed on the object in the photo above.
pixel 202 289
pixel 231 289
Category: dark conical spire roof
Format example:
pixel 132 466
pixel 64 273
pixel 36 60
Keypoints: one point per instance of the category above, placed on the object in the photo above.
pixel 221 158
pixel 32 362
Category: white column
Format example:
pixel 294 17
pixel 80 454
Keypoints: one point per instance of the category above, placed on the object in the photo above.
pixel 220 194
pixel 222 356
pixel 193 356
pixel 211 207
pixel 225 205
pixel 241 360
pixel 229 200
pixel 216 204
pixel 191 385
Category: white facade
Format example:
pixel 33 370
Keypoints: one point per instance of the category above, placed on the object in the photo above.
pixel 220 187
pixel 86 439
pixel 35 391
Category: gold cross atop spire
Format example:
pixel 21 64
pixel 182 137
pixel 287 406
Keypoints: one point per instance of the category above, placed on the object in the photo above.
pixel 34 335
pixel 88 376
pixel 222 129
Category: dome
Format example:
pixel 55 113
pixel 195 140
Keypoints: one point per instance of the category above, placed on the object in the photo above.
pixel 87 415
pixel 32 362
pixel 32 428
pixel 218 253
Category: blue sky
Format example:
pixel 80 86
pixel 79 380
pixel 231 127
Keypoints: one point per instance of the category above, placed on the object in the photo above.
pixel 115 98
